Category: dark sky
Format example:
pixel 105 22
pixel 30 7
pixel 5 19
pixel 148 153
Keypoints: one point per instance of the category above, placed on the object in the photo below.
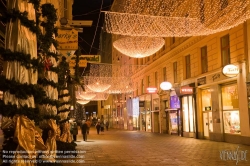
pixel 89 10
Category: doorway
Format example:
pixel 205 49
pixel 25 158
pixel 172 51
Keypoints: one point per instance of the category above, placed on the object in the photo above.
pixel 207 123
pixel 156 122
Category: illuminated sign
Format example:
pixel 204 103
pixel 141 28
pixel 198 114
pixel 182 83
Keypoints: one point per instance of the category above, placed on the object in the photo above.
pixel 151 89
pixel 67 39
pixel 186 90
pixel 82 63
pixel 230 70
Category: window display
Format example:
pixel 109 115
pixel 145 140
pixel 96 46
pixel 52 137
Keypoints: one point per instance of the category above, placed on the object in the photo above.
pixel 188 114
pixel 173 121
pixel 231 122
pixel 174 102
pixel 230 101
pixel 206 100
pixel 230 97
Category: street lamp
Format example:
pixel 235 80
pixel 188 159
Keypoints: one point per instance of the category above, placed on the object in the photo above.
pixel 165 85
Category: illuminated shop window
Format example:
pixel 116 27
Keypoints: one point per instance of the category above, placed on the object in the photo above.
pixel 188 114
pixel 206 100
pixel 230 97
pixel 230 102
pixel 231 122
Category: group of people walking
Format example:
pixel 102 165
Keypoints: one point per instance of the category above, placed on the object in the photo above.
pixel 85 126
pixel 100 126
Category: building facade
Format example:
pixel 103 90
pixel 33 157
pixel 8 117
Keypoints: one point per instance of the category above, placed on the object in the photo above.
pixel 204 103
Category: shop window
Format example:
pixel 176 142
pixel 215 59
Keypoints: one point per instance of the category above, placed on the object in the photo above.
pixel 188 114
pixel 148 80
pixel 188 66
pixel 204 64
pixel 230 97
pixel 230 104
pixel 142 86
pixel 164 74
pixel 206 100
pixel 156 79
pixel 175 71
pixel 225 50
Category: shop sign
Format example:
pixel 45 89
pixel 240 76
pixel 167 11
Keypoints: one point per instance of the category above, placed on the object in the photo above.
pixel 201 81
pixel 82 63
pixel 230 70
pixel 67 39
pixel 151 89
pixel 90 58
pixel 186 90
pixel 215 78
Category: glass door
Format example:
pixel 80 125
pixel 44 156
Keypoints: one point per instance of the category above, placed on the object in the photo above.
pixel 206 125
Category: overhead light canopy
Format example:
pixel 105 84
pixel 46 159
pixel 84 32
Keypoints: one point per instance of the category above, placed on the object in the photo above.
pixel 139 47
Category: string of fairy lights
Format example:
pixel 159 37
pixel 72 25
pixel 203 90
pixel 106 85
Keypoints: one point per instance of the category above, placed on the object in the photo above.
pixel 168 18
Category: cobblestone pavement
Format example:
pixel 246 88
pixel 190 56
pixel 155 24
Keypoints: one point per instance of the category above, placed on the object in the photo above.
pixel 135 148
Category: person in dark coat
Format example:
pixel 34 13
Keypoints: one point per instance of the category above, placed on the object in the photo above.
pixel 107 125
pixel 74 130
pixel 98 127
pixel 84 128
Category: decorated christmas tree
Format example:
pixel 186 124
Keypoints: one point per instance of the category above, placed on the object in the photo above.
pixel 31 106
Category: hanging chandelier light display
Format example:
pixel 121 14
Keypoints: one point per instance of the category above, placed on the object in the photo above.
pixel 174 18
pixel 83 94
pixel 87 95
pixel 121 85
pixel 139 46
pixel 100 96
pixel 82 102
pixel 97 84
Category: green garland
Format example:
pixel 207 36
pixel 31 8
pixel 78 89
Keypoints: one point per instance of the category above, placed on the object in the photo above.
pixel 10 110
pixel 48 11
pixel 24 59
pixel 50 101
pixel 36 4
pixel 22 91
pixel 45 82
pixel 13 14
pixel 53 55
pixel 65 110
pixel 63 103
pixel 63 95
pixel 78 53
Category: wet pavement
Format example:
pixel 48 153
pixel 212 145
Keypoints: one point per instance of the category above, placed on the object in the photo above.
pixel 136 148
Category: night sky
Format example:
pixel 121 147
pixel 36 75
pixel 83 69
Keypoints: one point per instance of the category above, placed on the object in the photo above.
pixel 89 10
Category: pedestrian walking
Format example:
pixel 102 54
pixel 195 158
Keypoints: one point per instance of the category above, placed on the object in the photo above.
pixel 74 130
pixel 98 127
pixel 84 128
pixel 89 125
pixel 102 126
pixel 107 125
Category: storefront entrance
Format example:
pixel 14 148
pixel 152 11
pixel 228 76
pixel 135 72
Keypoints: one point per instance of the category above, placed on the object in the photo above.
pixel 173 121
pixel 156 125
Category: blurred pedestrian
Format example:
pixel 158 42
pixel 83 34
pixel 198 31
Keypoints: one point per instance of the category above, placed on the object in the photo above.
pixel 102 126
pixel 84 128
pixel 89 125
pixel 107 125
pixel 98 127
pixel 74 130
